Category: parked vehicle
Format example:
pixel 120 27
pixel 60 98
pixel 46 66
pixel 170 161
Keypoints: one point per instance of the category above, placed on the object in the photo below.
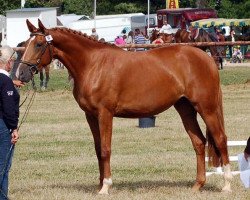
pixel 182 17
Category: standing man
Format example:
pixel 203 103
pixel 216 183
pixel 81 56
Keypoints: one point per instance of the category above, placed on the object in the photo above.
pixel 9 114
pixel 166 28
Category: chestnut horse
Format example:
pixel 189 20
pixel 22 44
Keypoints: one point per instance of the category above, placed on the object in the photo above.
pixel 110 82
pixel 200 35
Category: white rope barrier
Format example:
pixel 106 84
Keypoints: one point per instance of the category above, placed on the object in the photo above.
pixel 219 170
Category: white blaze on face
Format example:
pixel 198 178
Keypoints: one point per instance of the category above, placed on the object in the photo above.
pixel 31 39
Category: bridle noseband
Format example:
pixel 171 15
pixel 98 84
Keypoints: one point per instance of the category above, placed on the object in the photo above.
pixel 34 66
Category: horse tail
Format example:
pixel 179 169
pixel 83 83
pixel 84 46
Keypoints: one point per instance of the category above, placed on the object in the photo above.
pixel 214 155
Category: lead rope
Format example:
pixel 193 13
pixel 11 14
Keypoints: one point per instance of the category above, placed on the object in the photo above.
pixel 5 168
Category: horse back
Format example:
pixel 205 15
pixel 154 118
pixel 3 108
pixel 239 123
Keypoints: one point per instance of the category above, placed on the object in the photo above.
pixel 134 84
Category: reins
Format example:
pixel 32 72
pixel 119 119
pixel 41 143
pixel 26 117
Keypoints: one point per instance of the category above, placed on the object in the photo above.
pixel 27 108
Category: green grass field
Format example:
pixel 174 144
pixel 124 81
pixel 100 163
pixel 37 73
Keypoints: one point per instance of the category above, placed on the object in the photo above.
pixel 55 158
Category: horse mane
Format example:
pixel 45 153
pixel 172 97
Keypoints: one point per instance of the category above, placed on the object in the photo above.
pixel 68 30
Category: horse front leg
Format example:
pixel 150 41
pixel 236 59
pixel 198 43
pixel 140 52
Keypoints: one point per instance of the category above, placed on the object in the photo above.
pixel 94 127
pixel 105 119
pixel 101 128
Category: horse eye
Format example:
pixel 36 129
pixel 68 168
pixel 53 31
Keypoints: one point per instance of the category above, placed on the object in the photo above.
pixel 39 44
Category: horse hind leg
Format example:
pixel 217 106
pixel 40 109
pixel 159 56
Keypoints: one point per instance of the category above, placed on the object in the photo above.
pixel 189 118
pixel 217 142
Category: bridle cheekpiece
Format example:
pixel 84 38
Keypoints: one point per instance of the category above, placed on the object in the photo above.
pixel 33 66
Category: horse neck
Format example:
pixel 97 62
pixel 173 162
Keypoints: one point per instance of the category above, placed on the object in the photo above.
pixel 74 50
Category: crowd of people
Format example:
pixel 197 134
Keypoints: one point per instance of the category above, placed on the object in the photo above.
pixel 136 37
pixel 133 37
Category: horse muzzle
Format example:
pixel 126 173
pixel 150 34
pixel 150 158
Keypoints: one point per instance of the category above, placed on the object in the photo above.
pixel 26 72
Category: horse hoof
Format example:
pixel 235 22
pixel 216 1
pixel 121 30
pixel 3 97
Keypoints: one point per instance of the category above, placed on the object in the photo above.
pixel 196 188
pixel 103 192
pixel 43 88
pixel 226 189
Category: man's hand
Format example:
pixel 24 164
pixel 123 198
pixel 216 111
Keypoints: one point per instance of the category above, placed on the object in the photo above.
pixel 18 83
pixel 15 136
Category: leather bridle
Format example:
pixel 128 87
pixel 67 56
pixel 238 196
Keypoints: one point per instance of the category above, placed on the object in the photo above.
pixel 34 66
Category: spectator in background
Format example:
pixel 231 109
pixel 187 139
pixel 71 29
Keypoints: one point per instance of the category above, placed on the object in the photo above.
pixel 119 40
pixel 158 40
pixel 237 55
pixel 130 40
pixel 247 150
pixel 124 38
pixel 139 39
pixel 232 39
pixel 94 34
pixel 166 28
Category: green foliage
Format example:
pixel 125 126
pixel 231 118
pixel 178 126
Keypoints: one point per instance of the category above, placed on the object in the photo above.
pixel 226 9
pixel 34 4
pixel 42 3
pixel 80 7
pixel 187 3
pixel 127 8
pixel 9 5
pixel 232 8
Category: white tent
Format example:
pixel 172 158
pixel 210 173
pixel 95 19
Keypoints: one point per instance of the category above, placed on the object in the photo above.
pixel 17 30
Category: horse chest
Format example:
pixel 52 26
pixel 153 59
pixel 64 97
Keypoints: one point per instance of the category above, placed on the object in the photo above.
pixel 86 99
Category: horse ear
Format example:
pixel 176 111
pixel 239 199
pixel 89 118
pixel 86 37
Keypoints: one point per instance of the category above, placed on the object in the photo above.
pixel 31 27
pixel 41 26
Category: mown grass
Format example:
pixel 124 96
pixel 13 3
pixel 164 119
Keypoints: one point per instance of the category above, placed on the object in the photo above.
pixel 55 157
pixel 235 75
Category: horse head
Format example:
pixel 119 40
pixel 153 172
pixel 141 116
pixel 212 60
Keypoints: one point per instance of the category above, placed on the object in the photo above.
pixel 38 52
pixel 182 35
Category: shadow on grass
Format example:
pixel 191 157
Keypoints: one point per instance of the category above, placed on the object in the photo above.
pixel 134 186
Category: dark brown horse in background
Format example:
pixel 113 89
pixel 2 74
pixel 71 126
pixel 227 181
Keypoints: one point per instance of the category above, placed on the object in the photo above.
pixel 110 82
pixel 200 35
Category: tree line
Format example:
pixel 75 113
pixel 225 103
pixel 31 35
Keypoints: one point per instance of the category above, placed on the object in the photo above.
pixel 226 8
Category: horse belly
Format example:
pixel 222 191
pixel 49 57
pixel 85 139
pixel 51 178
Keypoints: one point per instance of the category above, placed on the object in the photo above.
pixel 146 103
